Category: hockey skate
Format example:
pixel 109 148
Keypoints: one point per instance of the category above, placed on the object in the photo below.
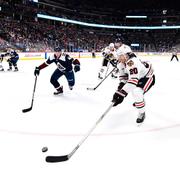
pixel 59 91
pixel 141 117
pixel 10 69
pixel 71 87
pixel 102 72
pixel 100 76
pixel 16 69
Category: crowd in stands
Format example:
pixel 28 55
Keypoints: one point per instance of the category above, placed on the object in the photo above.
pixel 25 32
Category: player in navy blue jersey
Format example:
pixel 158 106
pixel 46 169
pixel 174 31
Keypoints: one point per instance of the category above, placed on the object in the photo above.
pixel 14 57
pixel 64 67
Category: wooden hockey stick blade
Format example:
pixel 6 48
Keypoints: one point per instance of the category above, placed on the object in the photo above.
pixel 91 89
pixel 27 110
pixel 54 159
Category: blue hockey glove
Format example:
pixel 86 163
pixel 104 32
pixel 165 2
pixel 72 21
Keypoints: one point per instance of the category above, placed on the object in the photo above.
pixel 76 68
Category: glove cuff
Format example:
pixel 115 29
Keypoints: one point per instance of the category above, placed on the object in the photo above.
pixel 122 93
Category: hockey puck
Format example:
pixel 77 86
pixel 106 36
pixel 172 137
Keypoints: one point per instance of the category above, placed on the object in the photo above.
pixel 44 149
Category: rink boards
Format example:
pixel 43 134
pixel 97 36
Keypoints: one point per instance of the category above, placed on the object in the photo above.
pixel 45 55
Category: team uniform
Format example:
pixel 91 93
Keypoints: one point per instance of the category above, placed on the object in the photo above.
pixel 14 57
pixel 136 77
pixel 64 65
pixel 109 56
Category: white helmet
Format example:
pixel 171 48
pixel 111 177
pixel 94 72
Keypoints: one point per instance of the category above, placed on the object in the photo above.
pixel 111 45
pixel 124 50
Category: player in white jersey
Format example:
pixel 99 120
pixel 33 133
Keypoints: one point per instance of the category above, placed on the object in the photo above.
pixel 136 77
pixel 109 56
pixel 121 47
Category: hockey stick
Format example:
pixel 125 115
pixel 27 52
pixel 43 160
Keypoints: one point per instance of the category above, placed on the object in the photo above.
pixel 54 159
pixel 92 89
pixel 30 108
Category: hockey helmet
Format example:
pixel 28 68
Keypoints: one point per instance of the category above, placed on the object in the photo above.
pixel 111 45
pixel 57 49
pixel 119 40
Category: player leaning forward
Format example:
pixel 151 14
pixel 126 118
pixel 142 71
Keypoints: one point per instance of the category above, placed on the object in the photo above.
pixel 109 57
pixel 64 67
pixel 138 79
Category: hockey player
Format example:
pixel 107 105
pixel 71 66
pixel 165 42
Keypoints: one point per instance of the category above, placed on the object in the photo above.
pixel 1 59
pixel 64 67
pixel 93 53
pixel 14 57
pixel 138 78
pixel 121 47
pixel 109 56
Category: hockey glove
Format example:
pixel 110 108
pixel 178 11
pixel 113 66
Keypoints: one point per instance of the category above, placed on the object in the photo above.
pixel 76 68
pixel 118 97
pixel 36 71
pixel 114 62
pixel 104 54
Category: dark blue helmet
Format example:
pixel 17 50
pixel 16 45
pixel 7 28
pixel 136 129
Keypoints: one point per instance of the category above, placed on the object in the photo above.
pixel 57 49
pixel 119 40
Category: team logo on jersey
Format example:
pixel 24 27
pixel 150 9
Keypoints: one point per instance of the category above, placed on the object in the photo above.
pixel 130 63
pixel 60 67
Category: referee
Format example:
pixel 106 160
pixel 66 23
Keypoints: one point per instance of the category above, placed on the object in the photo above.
pixel 174 55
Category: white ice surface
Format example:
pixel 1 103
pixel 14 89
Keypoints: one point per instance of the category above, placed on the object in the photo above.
pixel 116 150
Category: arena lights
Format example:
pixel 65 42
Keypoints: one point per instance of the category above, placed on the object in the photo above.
pixel 104 26
pixel 135 45
pixel 138 17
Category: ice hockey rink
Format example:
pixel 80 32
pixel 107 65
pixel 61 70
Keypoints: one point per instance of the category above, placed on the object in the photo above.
pixel 116 150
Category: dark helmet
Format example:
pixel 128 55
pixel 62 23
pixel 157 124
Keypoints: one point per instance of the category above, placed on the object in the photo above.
pixel 57 49
pixel 118 40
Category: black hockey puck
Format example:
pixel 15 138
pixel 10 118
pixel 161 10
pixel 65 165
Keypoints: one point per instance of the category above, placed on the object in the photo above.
pixel 44 149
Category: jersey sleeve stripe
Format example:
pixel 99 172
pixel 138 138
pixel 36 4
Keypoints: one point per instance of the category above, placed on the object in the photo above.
pixel 133 81
pixel 148 84
pixel 139 104
pixel 122 93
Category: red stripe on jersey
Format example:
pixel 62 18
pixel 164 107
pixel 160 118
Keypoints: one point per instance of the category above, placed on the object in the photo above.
pixel 133 81
pixel 140 104
pixel 148 84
